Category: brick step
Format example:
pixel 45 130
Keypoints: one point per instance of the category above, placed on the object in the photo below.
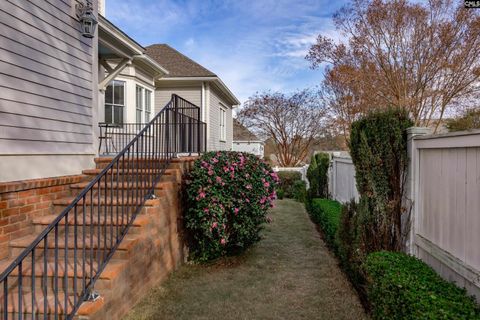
pixel 125 201
pixel 123 185
pixel 93 225
pixel 103 162
pixel 126 172
pixel 93 245
pixel 104 282
pixel 41 312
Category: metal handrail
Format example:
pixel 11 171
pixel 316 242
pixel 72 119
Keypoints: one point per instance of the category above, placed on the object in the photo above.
pixel 143 162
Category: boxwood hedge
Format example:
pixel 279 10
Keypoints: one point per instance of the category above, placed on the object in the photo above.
pixel 400 286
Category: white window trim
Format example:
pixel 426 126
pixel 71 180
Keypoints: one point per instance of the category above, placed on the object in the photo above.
pixel 113 104
pixel 145 114
pixel 148 111
pixel 223 124
pixel 139 106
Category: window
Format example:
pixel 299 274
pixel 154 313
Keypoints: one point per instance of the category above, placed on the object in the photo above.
pixel 139 104
pixel 223 121
pixel 143 104
pixel 148 105
pixel 114 102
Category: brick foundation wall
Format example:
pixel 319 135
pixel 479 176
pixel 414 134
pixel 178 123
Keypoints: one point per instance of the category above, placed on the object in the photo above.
pixel 20 201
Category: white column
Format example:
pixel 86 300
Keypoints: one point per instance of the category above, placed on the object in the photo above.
pixel 410 199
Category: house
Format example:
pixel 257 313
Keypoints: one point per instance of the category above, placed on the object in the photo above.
pixel 202 87
pixel 246 141
pixel 92 129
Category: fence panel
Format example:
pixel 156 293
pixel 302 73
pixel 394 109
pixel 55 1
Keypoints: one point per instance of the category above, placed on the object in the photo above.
pixel 342 184
pixel 446 199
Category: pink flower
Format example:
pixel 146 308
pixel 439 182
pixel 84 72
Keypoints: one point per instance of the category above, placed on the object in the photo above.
pixel 218 179
pixel 210 172
pixel 266 184
pixel 206 210
pixel 214 225
pixel 214 160
pixel 248 186
pixel 236 210
pixel 223 241
pixel 202 195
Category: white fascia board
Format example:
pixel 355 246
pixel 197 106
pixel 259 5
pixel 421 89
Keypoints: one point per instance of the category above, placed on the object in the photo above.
pixel 152 64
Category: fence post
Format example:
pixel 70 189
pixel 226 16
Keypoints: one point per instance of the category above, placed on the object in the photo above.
pixel 410 199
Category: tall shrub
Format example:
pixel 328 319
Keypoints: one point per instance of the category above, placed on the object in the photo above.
pixel 323 163
pixel 288 183
pixel 312 176
pixel 378 146
pixel 317 174
pixel 228 196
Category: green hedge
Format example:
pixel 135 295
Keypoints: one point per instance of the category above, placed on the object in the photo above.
pixel 404 287
pixel 317 175
pixel 326 213
pixel 291 186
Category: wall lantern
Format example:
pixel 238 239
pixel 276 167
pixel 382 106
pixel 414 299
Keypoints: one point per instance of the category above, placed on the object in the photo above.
pixel 88 21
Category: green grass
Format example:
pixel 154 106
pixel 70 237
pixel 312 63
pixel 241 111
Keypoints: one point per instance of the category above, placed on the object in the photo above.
pixel 327 214
pixel 289 274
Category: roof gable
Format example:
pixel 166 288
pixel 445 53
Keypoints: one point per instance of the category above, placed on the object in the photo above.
pixel 176 63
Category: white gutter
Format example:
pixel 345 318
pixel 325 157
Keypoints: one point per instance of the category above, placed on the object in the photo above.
pixel 151 63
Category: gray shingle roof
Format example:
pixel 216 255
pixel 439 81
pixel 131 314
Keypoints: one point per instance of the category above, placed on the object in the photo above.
pixel 240 133
pixel 176 63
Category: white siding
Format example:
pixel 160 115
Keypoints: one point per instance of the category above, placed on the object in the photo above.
pixel 217 102
pixel 190 93
pixel 46 89
pixel 193 93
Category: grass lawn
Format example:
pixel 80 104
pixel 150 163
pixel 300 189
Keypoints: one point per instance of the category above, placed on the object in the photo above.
pixel 290 274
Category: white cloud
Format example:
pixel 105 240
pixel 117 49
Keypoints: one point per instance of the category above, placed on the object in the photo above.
pixel 252 45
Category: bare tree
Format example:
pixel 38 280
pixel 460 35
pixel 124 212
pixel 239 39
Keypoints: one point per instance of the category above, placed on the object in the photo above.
pixel 420 57
pixel 292 121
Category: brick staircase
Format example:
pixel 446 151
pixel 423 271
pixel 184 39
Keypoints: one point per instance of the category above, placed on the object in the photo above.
pixel 148 252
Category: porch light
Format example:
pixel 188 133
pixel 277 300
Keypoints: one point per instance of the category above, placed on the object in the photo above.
pixel 88 21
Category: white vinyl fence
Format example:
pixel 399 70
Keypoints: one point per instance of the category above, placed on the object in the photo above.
pixel 443 196
pixel 341 177
pixel 444 190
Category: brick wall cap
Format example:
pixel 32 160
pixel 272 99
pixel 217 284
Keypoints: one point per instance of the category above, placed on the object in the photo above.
pixel 13 186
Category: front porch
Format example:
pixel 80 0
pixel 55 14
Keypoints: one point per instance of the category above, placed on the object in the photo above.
pixel 179 123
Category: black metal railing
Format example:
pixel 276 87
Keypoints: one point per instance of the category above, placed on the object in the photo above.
pixel 189 133
pixel 57 272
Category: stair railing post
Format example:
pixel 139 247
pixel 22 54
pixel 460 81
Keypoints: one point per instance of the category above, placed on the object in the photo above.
pixel 175 124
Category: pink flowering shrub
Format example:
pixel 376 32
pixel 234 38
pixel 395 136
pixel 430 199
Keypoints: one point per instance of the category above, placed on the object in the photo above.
pixel 228 194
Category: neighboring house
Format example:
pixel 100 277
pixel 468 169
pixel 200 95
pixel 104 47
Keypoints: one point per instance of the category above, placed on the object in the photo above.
pixel 246 141
pixel 202 87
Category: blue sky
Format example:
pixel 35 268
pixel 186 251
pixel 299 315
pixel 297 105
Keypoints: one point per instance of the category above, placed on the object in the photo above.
pixel 252 45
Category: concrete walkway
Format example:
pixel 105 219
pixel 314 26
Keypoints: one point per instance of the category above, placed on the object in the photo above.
pixel 290 274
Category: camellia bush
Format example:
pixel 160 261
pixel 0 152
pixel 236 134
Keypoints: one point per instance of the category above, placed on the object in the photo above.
pixel 228 195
